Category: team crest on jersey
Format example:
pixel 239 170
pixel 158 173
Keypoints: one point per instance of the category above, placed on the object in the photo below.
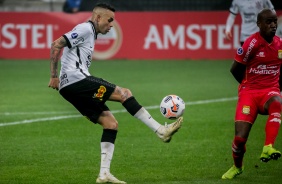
pixel 280 54
pixel 74 35
pixel 100 93
pixel 246 109
pixel 240 51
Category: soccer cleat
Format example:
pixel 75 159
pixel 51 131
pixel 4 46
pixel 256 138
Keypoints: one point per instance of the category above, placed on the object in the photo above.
pixel 166 132
pixel 108 178
pixel 232 172
pixel 268 153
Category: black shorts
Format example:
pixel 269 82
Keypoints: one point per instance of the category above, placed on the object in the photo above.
pixel 88 96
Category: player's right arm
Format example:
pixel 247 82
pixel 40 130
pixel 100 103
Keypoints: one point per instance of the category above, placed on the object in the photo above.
pixel 238 71
pixel 55 52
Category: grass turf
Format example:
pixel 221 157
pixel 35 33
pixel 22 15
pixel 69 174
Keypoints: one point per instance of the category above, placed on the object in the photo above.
pixel 51 143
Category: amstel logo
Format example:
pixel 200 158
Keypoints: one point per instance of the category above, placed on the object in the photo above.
pixel 108 45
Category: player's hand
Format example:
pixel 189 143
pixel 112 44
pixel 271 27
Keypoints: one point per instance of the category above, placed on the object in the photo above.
pixel 54 83
pixel 228 35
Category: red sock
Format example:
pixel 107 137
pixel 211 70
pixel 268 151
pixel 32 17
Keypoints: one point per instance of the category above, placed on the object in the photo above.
pixel 238 150
pixel 273 122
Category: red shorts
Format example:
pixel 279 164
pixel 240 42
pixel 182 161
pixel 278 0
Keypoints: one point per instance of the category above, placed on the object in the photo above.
pixel 251 103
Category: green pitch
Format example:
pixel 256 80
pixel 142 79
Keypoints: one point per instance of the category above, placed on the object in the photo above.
pixel 43 140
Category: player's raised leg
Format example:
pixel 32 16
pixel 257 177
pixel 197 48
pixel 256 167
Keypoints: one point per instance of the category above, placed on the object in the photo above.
pixel 124 96
pixel 164 132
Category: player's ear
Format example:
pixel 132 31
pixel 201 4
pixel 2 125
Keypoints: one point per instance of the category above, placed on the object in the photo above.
pixel 98 17
pixel 258 24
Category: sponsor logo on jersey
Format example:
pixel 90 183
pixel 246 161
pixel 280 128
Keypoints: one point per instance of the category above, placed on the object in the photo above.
pixel 263 67
pixel 240 51
pixel 74 35
pixel 250 48
pixel 246 109
pixel 78 41
pixel 64 80
pixel 260 54
pixel 265 70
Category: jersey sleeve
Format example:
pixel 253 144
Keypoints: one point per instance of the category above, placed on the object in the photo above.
pixel 234 8
pixel 77 36
pixel 245 53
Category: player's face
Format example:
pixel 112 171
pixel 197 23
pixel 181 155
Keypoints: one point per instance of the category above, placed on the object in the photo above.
pixel 106 21
pixel 268 24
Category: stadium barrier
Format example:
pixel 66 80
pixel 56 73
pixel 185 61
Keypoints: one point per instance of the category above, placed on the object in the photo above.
pixel 135 35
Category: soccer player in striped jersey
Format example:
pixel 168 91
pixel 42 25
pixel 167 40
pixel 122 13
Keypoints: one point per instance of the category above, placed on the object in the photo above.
pixel 88 93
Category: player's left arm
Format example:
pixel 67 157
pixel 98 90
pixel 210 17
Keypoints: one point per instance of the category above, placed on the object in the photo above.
pixel 238 71
pixel 55 52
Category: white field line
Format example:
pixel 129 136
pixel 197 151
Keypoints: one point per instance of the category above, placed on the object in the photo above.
pixel 34 113
pixel 114 112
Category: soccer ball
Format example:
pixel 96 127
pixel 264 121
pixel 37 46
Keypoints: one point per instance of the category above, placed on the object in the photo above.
pixel 172 107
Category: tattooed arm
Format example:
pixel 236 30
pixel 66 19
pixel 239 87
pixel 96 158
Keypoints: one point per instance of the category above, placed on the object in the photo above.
pixel 56 48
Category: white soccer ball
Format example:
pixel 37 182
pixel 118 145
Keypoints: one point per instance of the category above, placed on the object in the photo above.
pixel 172 107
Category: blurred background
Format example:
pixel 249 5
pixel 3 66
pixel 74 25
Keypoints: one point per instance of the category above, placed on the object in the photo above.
pixel 163 30
pixel 187 29
pixel 124 5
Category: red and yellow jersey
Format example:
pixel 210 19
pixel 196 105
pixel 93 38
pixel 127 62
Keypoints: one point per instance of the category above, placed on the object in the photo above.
pixel 263 62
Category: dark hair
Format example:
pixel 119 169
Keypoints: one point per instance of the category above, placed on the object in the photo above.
pixel 105 6
pixel 262 13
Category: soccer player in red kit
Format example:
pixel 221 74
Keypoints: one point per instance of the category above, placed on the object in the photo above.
pixel 257 67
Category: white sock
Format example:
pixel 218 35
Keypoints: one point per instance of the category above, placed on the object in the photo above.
pixel 107 151
pixel 146 118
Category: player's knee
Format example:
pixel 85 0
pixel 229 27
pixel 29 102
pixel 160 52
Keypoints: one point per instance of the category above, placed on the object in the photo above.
pixel 108 122
pixel 114 125
pixel 110 125
pixel 275 106
pixel 126 93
